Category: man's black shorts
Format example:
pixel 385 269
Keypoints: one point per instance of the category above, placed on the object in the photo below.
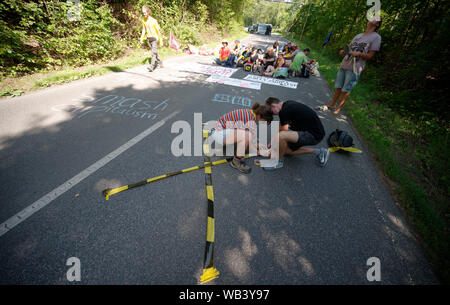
pixel 304 139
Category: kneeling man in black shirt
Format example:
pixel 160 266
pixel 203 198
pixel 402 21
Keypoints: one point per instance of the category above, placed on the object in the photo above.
pixel 299 126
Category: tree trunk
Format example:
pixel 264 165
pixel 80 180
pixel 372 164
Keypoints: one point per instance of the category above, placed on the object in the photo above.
pixel 304 25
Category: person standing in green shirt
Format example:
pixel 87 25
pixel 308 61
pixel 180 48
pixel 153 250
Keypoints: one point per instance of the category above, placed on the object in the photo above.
pixel 151 33
pixel 298 65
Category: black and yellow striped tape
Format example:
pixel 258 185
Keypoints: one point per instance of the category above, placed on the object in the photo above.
pixel 209 272
pixel 108 192
pixel 350 149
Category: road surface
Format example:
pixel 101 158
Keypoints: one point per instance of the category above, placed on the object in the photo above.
pixel 302 224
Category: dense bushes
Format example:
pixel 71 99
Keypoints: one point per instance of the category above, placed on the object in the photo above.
pixel 414 58
pixel 401 102
pixel 37 35
pixel 409 74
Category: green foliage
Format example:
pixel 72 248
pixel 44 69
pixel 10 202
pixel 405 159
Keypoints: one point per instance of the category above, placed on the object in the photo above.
pixel 411 148
pixel 85 42
pixel 400 104
pixel 38 35
pixel 260 11
pixel 414 57
pixel 10 92
pixel 408 75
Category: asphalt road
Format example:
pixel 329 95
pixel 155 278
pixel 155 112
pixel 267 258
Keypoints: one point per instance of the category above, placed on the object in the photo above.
pixel 302 224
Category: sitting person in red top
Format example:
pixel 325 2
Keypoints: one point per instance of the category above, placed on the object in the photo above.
pixel 224 53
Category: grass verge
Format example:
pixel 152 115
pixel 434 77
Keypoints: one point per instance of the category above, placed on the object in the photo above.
pixel 414 159
pixel 15 86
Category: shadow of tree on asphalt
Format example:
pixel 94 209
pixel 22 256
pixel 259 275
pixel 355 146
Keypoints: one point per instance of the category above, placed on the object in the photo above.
pixel 302 224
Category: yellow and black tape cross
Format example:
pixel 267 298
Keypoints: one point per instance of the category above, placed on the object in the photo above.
pixel 209 272
pixel 108 192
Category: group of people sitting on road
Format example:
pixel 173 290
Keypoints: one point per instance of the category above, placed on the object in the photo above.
pixel 288 61
pixel 299 125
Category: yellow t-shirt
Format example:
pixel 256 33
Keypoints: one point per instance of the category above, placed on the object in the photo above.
pixel 150 28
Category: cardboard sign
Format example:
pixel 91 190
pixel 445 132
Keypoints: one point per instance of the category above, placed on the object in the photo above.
pixel 210 70
pixel 233 82
pixel 271 81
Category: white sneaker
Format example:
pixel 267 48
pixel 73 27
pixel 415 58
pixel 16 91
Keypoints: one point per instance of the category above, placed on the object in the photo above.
pixel 323 156
pixel 276 166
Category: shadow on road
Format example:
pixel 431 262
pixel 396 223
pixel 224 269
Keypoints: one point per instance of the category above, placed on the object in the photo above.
pixel 300 225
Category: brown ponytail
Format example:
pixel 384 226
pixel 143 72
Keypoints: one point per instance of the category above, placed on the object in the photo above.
pixel 263 111
pixel 272 100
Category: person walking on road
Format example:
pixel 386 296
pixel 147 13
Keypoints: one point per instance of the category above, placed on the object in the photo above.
pixel 151 33
pixel 363 47
pixel 299 126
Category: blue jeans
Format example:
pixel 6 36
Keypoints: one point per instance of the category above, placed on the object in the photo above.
pixel 229 62
pixel 346 80
pixel 221 62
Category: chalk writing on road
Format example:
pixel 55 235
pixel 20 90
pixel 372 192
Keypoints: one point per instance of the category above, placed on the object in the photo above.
pixel 232 99
pixel 115 104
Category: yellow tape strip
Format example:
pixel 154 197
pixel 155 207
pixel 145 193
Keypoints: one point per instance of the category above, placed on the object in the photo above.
pixel 209 192
pixel 210 230
pixel 206 149
pixel 350 149
pixel 156 178
pixel 117 190
pixel 187 170
pixel 205 133
pixel 219 162
pixel 209 274
pixel 208 170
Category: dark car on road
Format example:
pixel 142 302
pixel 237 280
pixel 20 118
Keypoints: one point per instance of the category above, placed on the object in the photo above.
pixel 261 28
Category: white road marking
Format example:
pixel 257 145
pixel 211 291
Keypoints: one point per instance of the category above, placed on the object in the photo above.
pixel 52 195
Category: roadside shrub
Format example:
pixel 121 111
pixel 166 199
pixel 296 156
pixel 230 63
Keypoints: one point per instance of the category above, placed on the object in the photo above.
pixel 37 35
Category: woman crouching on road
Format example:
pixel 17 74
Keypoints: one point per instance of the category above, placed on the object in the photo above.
pixel 239 127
